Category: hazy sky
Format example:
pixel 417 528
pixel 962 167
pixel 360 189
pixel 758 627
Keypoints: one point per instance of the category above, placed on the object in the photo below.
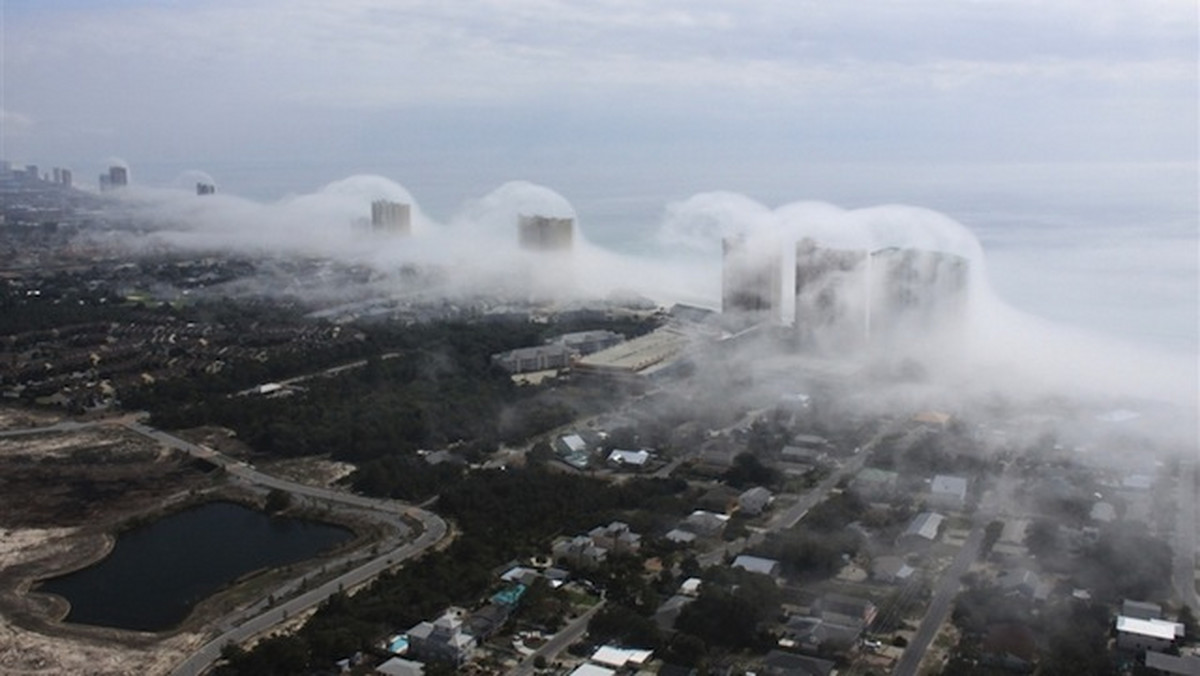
pixel 1064 132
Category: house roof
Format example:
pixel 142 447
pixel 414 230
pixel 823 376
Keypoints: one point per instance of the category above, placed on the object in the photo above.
pixel 619 657
pixel 574 443
pixel 1141 609
pixel 779 662
pixel 400 667
pixel 636 458
pixel 679 535
pixel 944 484
pixel 892 566
pixel 1172 664
pixel 756 564
pixel 592 670
pixel 925 525
pixel 1159 629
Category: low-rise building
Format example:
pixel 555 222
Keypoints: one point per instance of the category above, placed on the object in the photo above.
pixel 891 569
pixel 616 537
pixel 1136 634
pixel 398 666
pixel 631 459
pixel 757 564
pixel 538 358
pixel 754 500
pixel 579 552
pixel 1172 665
pixel 875 484
pixel 443 640
pixel 845 609
pixel 705 524
pixel 948 492
pixel 1142 610
pixel 922 531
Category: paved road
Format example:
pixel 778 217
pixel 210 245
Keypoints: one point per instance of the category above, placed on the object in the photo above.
pixel 64 426
pixel 559 642
pixel 792 515
pixel 324 373
pixel 1185 538
pixel 943 597
pixel 434 529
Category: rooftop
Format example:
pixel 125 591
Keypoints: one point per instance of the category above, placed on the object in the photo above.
pixel 637 354
pixel 1159 629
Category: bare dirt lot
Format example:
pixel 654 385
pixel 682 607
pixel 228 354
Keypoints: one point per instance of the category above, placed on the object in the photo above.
pixel 61 493
pixel 75 478
pixel 64 494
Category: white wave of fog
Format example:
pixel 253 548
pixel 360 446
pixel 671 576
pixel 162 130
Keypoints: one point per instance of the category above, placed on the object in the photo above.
pixel 1005 349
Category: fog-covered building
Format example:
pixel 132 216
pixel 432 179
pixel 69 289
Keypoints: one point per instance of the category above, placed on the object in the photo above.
pixel 751 280
pixel 851 298
pixel 831 296
pixel 545 233
pixel 391 217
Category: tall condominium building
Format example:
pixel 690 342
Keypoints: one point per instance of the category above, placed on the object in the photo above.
pixel 117 177
pixel 752 279
pixel 846 299
pixel 545 233
pixel 831 295
pixel 915 291
pixel 393 217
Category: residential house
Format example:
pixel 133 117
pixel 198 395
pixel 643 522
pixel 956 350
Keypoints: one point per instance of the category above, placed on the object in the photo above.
pixel 813 634
pixel 629 459
pixel 680 536
pixel 398 666
pixel 801 455
pixel 621 658
pixel 891 570
pixel 779 663
pixel 756 564
pixel 922 532
pixel 875 484
pixel 443 640
pixel 846 609
pixel 754 501
pixel 579 552
pixel 947 492
pixel 705 524
pixel 1142 610
pixel 1172 665
pixel 616 537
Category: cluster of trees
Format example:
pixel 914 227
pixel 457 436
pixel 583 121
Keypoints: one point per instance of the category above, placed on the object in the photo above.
pixel 819 546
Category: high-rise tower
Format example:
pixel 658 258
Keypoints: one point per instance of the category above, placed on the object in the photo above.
pixel 752 279
pixel 545 233
pixel 391 217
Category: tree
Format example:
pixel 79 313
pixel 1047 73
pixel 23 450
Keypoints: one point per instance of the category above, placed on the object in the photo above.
pixel 1188 619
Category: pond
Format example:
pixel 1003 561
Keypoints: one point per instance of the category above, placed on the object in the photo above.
pixel 157 573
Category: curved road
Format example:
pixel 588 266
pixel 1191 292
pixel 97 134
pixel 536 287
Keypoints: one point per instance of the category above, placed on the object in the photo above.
pixel 433 530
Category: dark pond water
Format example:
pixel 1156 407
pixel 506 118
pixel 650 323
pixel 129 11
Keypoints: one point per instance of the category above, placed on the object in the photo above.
pixel 158 572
